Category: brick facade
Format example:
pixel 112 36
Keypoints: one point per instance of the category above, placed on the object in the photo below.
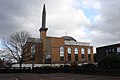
pixel 52 46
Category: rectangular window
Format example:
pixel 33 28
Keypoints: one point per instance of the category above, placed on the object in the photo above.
pixel 61 58
pixel 76 57
pixel 82 56
pixel 89 57
pixel 106 51
pixel 118 49
pixel 32 48
pixel 113 50
pixel 48 59
pixel 69 57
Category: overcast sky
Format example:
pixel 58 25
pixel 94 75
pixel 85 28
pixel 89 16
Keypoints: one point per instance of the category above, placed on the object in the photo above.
pixel 94 21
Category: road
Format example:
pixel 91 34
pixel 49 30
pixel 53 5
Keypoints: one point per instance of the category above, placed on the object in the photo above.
pixel 54 76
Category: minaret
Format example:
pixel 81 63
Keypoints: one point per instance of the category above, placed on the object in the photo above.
pixel 43 29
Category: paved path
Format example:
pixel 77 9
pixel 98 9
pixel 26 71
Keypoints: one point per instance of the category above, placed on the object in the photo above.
pixel 54 76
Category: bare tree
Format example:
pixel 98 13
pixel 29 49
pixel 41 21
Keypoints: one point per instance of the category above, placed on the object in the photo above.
pixel 15 43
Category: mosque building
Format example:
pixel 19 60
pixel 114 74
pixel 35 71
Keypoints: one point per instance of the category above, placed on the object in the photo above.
pixel 56 50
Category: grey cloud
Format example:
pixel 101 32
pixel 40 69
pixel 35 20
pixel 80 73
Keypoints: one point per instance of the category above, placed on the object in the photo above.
pixel 14 14
pixel 108 28
pixel 110 10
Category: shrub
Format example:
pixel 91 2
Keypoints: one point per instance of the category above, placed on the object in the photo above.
pixel 61 66
pixel 110 62
pixel 74 64
pixel 89 66
pixel 66 66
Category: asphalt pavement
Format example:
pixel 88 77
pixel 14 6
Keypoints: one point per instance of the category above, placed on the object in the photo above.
pixel 54 76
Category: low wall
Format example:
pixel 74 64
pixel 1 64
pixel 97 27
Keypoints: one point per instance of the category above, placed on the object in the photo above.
pixel 36 65
pixel 15 70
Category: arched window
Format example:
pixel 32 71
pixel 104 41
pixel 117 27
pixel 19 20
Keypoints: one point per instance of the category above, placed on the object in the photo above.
pixel 61 53
pixel 83 53
pixel 89 54
pixel 76 54
pixel 69 54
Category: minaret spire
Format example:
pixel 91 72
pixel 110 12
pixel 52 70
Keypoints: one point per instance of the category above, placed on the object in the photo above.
pixel 44 17
pixel 43 29
pixel 43 20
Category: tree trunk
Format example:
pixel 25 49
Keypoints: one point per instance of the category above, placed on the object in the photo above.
pixel 20 63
